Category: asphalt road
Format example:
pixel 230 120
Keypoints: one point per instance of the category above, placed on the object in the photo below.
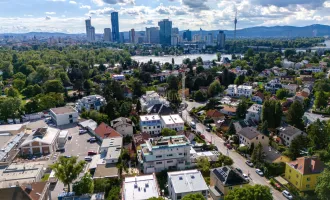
pixel 239 161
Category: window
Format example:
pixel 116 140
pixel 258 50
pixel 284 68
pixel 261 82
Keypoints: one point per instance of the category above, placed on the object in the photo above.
pixel 180 154
pixel 159 163
pixel 144 127
pixel 296 182
pixel 289 177
pixel 159 156
pixel 158 126
pixel 262 137
pixel 149 127
pixel 70 116
pixel 230 188
pixel 169 161
pixel 297 175
pixel 169 154
pixel 290 170
pixel 256 138
pixel 308 179
pixel 307 186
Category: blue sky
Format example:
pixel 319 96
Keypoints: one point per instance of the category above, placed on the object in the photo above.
pixel 19 16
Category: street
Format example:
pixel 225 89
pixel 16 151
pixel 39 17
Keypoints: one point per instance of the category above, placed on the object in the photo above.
pixel 239 161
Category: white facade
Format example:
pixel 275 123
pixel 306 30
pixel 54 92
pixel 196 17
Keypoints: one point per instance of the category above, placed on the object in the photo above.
pixel 92 102
pixel 150 99
pixel 244 90
pixel 182 183
pixel 110 149
pixel 254 113
pixel 174 122
pixel 64 115
pixel 172 152
pixel 140 187
pixel 62 138
pixel 288 133
pixel 123 125
pixel 232 90
pixel 151 124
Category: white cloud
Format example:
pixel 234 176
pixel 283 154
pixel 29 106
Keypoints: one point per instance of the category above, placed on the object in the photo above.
pixel 57 0
pixel 85 6
pixel 72 2
pixel 103 11
pixel 98 2
pixel 48 18
pixel 326 4
pixel 50 13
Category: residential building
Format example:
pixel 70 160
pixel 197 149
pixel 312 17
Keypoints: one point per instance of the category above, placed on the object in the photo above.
pixel 174 122
pixel 244 90
pixel 140 187
pixel 225 179
pixel 160 109
pixel 187 36
pixel 152 35
pixel 292 88
pixel 42 141
pixel 258 97
pixel 26 191
pixel 115 27
pixel 232 90
pixel 288 133
pixel 150 99
pixel 62 138
pixel 287 79
pixel 221 39
pixel 89 125
pixel 165 31
pixel 182 183
pixel 92 102
pixel 174 40
pixel 303 172
pixel 123 126
pixel 151 124
pixel 273 85
pixel 228 110
pixel 18 174
pixel 104 131
pixel 215 115
pixel 107 36
pixel 64 115
pixel 249 135
pixel 254 113
pixel 165 153
pixel 110 149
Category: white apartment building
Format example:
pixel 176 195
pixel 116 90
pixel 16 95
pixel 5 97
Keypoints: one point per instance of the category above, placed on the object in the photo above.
pixel 273 85
pixel 254 113
pixel 64 115
pixel 244 90
pixel 232 90
pixel 150 99
pixel 110 149
pixel 151 124
pixel 288 133
pixel 182 183
pixel 92 102
pixel 165 153
pixel 123 125
pixel 140 187
pixel 174 122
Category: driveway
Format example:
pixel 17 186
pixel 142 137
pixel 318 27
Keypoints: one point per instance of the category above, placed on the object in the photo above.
pixel 239 161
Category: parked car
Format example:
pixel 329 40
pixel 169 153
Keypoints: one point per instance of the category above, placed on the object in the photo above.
pixel 259 172
pixel 91 153
pixel 191 100
pixel 239 170
pixel 92 139
pixel 208 129
pixel 249 163
pixel 67 156
pixel 246 177
pixel 70 137
pixel 287 194
pixel 193 125
pixel 203 136
pixel 88 158
pixel 62 149
pixel 82 131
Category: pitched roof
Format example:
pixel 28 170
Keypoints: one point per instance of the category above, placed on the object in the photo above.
pixel 105 131
pixel 302 94
pixel 214 113
pixel 229 176
pixel 289 130
pixel 121 121
pixel 230 109
pixel 308 165
pixel 260 94
pixel 160 109
pixel 249 132
pixel 37 189
pixel 23 192
pixel 141 138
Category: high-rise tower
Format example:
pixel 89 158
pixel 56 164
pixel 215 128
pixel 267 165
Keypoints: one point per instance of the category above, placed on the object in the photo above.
pixel 115 27
pixel 235 25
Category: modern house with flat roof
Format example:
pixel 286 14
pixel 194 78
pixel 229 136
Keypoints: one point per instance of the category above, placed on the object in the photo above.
pixel 174 122
pixel 140 187
pixel 182 183
pixel 151 124
pixel 64 115
pixel 92 102
pixel 172 152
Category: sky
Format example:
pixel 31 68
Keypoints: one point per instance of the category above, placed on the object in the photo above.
pixel 67 16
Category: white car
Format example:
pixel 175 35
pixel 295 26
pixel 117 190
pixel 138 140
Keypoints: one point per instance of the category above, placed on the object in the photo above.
pixel 259 172
pixel 246 177
pixel 88 158
pixel 287 194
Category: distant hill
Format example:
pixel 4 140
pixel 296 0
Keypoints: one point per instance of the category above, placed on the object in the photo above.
pixel 252 32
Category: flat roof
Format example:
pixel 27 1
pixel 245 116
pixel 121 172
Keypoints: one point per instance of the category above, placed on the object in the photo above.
pixel 113 153
pixel 89 124
pixel 112 142
pixel 140 187
pixel 106 171
pixel 187 181
pixel 10 127
pixel 36 125
pixel 172 119
pixel 63 110
pixel 145 118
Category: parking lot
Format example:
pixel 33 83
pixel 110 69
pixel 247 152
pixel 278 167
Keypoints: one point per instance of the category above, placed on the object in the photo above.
pixel 78 145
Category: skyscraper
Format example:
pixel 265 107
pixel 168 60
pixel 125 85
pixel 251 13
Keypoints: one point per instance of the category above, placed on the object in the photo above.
pixel 107 35
pixel 115 27
pixel 132 36
pixel 221 39
pixel 165 31
pixel 187 35
pixel 92 34
pixel 175 31
pixel 210 38
pixel 152 35
pixel 235 25
pixel 88 26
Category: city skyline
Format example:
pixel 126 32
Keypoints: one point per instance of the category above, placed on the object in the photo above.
pixel 66 15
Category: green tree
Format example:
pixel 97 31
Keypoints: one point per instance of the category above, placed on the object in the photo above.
pixel 211 103
pixel 156 198
pixel 203 165
pixel 295 114
pixel 125 109
pixel 323 185
pixel 258 155
pixel 53 86
pixel 68 169
pixel 199 96
pixel 231 130
pixel 195 196
pixel 257 192
pixel 19 84
pixel 319 135
pixel 219 56
pixel 297 145
pixel 173 83
pixel 272 113
pixel 242 108
pixel 168 132
pixel 239 80
pixel 223 161
pixel 282 93
pixel 114 193
pixel 12 92
pixel 84 186
pixel 264 127
pixel 9 107
pixel 320 100
pixel 214 89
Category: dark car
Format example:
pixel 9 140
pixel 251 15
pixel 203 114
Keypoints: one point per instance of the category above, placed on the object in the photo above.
pixel 70 137
pixel 239 170
pixel 91 153
pixel 60 149
pixel 92 139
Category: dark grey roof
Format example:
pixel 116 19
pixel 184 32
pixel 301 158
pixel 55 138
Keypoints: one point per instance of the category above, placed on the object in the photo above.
pixel 160 109
pixel 13 193
pixel 249 132
pixel 289 130
pixel 229 176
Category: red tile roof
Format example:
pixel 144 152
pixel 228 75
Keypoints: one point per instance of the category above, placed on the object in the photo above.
pixel 308 165
pixel 105 131
pixel 214 113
